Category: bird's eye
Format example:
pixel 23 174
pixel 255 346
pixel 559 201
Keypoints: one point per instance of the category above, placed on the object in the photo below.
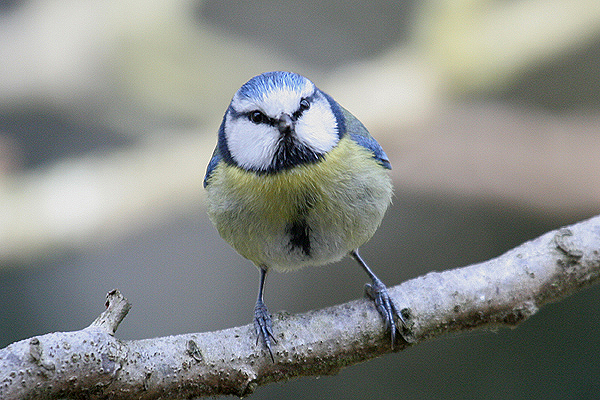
pixel 304 104
pixel 257 117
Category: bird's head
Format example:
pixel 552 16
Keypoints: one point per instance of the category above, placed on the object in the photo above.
pixel 279 120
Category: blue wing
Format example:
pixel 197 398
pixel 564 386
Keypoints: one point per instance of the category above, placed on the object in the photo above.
pixel 212 164
pixel 361 135
pixel 221 152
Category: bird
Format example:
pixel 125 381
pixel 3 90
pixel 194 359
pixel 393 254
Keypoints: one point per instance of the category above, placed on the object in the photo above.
pixel 296 180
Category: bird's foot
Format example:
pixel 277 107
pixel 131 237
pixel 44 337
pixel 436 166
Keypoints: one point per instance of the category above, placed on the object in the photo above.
pixel 385 306
pixel 263 325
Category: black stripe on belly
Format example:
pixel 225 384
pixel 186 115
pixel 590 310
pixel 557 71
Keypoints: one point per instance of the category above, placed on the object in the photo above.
pixel 299 232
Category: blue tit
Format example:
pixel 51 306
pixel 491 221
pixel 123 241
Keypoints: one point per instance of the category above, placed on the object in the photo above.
pixel 297 180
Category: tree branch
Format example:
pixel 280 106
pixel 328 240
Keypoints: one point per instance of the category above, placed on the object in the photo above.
pixel 503 291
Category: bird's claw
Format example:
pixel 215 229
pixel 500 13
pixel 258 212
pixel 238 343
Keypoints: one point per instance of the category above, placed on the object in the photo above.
pixel 385 306
pixel 263 325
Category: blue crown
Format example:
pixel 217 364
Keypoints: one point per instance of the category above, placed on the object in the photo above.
pixel 269 81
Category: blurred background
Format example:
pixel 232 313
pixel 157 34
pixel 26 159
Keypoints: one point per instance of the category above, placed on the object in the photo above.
pixel 488 109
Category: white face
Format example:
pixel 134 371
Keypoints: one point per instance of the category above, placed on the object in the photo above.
pixel 254 145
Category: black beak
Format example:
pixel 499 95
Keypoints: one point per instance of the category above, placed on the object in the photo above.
pixel 285 124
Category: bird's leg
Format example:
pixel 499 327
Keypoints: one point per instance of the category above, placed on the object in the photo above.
pixel 262 320
pixel 379 294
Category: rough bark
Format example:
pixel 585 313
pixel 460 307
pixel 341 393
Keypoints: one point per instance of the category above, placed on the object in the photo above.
pixel 92 363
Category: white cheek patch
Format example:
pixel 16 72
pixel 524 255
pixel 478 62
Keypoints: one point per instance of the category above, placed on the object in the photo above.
pixel 317 127
pixel 252 146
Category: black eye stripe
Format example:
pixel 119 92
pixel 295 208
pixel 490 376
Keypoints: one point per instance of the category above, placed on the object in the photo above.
pixel 304 105
pixel 258 117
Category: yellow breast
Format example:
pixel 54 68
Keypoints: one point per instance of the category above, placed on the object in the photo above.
pixel 340 200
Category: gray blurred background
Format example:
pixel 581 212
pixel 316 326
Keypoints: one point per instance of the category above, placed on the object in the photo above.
pixel 489 111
